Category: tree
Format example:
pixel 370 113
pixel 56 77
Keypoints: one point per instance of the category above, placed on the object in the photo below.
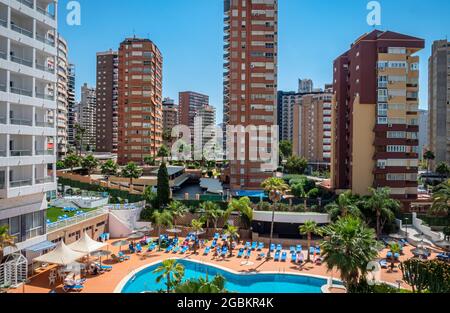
pixel 212 212
pixel 149 160
pixel 131 171
pixel 443 169
pixel 349 248
pixel 161 219
pixel 109 168
pixel 80 132
pixel 60 165
pixel 172 271
pixel 197 227
pixel 233 235
pixel 382 204
pixel 202 285
pixel 277 189
pixel 177 209
pixel 163 152
pixel 241 205
pixel 163 187
pixel 296 165
pixel 286 148
pixel 395 248
pixel 89 163
pixel 429 156
pixel 6 240
pixel 309 228
pixel 342 206
pixel 72 161
pixel 430 275
pixel 441 199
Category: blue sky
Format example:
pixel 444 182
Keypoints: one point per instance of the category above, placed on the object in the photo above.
pixel 312 33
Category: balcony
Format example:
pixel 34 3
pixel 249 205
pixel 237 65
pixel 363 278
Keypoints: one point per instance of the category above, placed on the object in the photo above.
pixel 22 92
pixel 44 124
pixel 28 3
pixel 21 121
pixel 21 30
pixel 45 40
pixel 45 12
pixel 21 61
pixel 3 23
pixel 2 55
pixel 42 95
pixel 44 180
pixel 45 68
pixel 20 183
pixel 45 152
pixel 20 153
pixel 2 153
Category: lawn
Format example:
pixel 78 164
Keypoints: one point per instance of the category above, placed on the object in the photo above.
pixel 53 213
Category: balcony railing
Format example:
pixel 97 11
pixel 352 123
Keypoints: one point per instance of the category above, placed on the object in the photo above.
pixel 21 91
pixel 2 87
pixel 3 119
pixel 3 153
pixel 45 152
pixel 28 3
pixel 21 30
pixel 45 68
pixel 44 124
pixel 22 61
pixel 45 12
pixel 45 40
pixel 3 23
pixel 44 180
pixel 74 220
pixel 19 153
pixel 2 55
pixel 20 183
pixel 21 121
pixel 44 96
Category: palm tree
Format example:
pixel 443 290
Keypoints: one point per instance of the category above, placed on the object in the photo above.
pixel 342 206
pixel 309 228
pixel 79 136
pixel 160 219
pixel 72 161
pixel 382 204
pixel 163 152
pixel 350 247
pixel 441 199
pixel 277 189
pixel 6 240
pixel 202 285
pixel 233 235
pixel 395 248
pixel 197 227
pixel 109 168
pixel 131 170
pixel 177 209
pixel 89 163
pixel 172 271
pixel 429 156
pixel 241 205
pixel 212 212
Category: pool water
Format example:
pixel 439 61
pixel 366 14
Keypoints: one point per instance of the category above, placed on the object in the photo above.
pixel 145 280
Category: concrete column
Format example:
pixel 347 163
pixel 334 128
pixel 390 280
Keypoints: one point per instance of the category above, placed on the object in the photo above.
pixel 7 170
pixel 33 173
pixel 33 145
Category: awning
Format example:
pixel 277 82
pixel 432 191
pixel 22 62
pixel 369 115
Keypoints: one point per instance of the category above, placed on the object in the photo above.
pixel 44 245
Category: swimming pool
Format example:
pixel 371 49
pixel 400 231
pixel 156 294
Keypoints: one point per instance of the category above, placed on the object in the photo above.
pixel 145 280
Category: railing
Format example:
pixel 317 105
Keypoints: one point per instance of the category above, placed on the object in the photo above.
pixel 44 180
pixel 44 124
pixel 2 55
pixel 27 3
pixel 45 40
pixel 74 220
pixel 21 30
pixel 21 121
pixel 2 87
pixel 45 152
pixel 45 68
pixel 44 96
pixel 3 153
pixel 22 92
pixel 3 23
pixel 126 206
pixel 19 153
pixel 22 61
pixel 2 119
pixel 20 183
pixel 45 12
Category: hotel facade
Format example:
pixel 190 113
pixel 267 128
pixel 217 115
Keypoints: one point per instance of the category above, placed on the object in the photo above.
pixel 375 115
pixel 250 85
pixel 28 107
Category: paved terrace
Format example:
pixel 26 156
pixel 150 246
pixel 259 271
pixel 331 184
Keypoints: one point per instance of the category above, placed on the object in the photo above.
pixel 107 282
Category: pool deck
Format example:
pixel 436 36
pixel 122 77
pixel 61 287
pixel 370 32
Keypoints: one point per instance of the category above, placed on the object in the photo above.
pixel 107 282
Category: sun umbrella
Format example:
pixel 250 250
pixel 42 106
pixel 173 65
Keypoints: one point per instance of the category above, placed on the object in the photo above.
pixel 199 232
pixel 144 229
pixel 174 230
pixel 120 243
pixel 136 235
pixel 420 252
pixel 100 254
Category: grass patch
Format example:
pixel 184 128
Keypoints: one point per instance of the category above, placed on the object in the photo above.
pixel 54 212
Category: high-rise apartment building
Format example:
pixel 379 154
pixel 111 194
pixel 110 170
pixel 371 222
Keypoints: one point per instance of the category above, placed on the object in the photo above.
pixel 375 122
pixel 423 132
pixel 250 84
pixel 439 101
pixel 189 102
pixel 205 127
pixel 107 114
pixel 63 96
pixel 312 127
pixel 305 86
pixel 286 101
pixel 140 100
pixel 28 88
pixel 170 115
pixel 72 106
pixel 87 115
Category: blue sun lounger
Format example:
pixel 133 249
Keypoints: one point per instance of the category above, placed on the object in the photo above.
pixel 104 267
pixel 279 247
pixel 207 250
pixel 177 248
pixel 272 247
pixel 224 251
pixel 283 256
pixel 292 249
pixel 396 255
pixel 294 257
pixel 151 247
pixel 169 248
pixel 277 256
pixel 68 288
pixel 254 245
pixel 122 256
pixel 318 250
pixel 216 236
pixel 383 264
pixel 240 253
pixel 214 243
pixel 248 254
pixel 248 245
pixel 261 256
pixel 389 255
pixel 184 249
pixel 260 246
pixel 299 248
pixel 311 250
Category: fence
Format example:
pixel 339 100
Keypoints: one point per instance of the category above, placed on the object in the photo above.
pixel 74 220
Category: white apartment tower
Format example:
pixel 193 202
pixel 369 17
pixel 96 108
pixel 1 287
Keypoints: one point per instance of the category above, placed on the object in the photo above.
pixel 28 88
